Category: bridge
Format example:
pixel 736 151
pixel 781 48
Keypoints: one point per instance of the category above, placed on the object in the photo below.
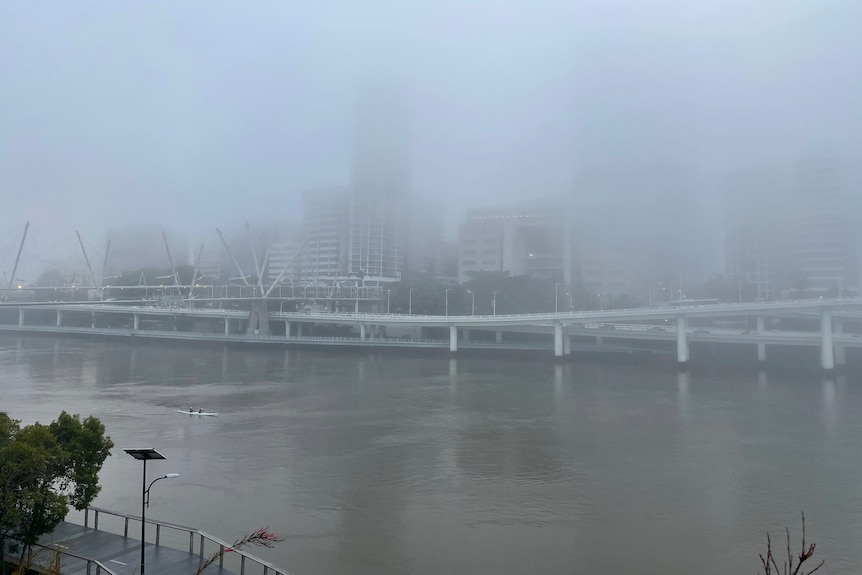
pixel 833 325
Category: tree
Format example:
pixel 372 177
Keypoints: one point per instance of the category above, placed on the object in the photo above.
pixel 43 470
pixel 770 565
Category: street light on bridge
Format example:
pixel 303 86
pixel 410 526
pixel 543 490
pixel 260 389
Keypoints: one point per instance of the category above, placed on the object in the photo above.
pixel 410 302
pixel 447 301
pixel 556 298
pixel 494 302
pixel 473 303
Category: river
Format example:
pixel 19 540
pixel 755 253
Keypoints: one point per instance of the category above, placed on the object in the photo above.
pixel 391 464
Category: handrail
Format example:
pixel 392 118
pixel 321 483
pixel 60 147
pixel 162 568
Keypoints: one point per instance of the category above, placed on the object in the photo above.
pixel 192 532
pixel 100 567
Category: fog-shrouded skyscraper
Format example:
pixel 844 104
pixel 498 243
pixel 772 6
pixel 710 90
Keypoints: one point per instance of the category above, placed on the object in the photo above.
pixel 527 239
pixel 756 231
pixel 822 242
pixel 325 225
pixel 380 182
pixel 634 229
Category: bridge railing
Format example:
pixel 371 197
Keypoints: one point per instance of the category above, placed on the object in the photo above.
pixel 200 543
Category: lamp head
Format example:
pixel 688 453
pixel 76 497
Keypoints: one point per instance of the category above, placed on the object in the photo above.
pixel 171 475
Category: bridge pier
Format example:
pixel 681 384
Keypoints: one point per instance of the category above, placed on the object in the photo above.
pixel 453 338
pixel 287 329
pixel 20 316
pixel 827 357
pixel 361 332
pixel 299 329
pixel 59 317
pixel 681 340
pixel 136 321
pixel 840 350
pixel 761 347
pixel 465 334
pixel 227 326
pixel 498 336
pixel 567 344
pixel 558 339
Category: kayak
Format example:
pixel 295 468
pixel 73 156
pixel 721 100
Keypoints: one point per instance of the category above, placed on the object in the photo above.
pixel 197 412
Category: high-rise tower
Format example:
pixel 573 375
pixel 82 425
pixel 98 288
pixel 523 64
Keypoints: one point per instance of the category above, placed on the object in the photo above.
pixel 380 186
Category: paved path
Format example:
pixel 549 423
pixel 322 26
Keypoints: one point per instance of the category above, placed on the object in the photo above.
pixel 122 555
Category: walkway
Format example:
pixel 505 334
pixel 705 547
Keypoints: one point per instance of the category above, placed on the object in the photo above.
pixel 91 551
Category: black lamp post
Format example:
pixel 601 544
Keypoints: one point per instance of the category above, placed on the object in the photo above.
pixel 145 454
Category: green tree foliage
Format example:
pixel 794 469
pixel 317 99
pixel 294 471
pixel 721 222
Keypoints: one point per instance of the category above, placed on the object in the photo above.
pixel 43 470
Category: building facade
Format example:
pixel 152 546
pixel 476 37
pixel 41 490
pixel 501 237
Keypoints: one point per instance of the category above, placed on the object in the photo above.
pixel 380 183
pixel 531 239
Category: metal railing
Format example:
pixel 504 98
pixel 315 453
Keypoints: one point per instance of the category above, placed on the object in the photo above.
pixel 55 562
pixel 244 560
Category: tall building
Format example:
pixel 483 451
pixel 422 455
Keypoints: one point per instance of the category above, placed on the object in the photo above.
pixel 634 229
pixel 824 257
pixel 426 237
pixel 283 261
pixel 379 209
pixel 142 245
pixel 755 232
pixel 530 239
pixel 325 227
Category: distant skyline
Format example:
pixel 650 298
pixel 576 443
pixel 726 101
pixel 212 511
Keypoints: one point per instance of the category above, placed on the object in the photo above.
pixel 212 113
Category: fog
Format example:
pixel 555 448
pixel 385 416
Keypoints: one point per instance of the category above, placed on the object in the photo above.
pixel 201 114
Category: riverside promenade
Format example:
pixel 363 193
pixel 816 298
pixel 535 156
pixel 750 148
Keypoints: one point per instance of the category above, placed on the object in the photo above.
pixel 90 550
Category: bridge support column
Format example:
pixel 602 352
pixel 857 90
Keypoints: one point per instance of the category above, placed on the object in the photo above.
pixel 567 344
pixel 498 335
pixel 287 328
pixel 681 340
pixel 361 332
pixel 558 340
pixel 840 350
pixel 453 338
pixel 59 317
pixel 136 321
pixel 21 316
pixel 827 357
pixel 761 347
pixel 227 326
pixel 299 329
pixel 599 341
pixel 465 334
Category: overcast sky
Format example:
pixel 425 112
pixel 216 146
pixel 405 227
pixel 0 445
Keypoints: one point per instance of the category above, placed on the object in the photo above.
pixel 199 114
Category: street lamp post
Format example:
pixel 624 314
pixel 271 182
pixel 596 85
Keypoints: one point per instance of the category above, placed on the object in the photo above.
pixel 447 301
pixel 494 302
pixel 387 300
pixel 556 299
pixel 473 302
pixel 600 302
pixel 410 302
pixel 146 454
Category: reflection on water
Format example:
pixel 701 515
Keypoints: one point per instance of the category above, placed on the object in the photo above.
pixel 419 464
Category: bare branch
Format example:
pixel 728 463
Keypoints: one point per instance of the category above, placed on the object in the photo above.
pixel 260 538
pixel 806 551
